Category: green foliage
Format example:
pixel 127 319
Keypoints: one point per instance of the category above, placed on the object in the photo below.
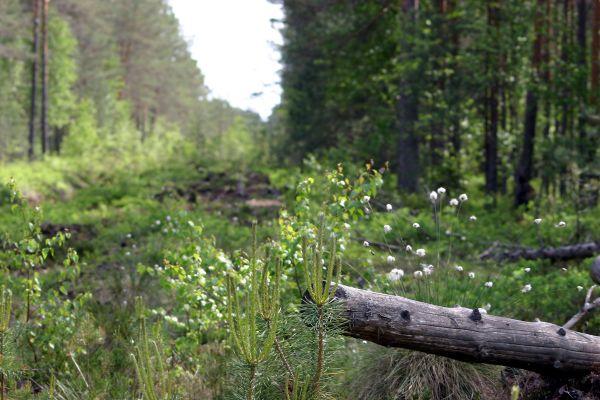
pixel 52 322
pixel 235 149
pixel 261 300
pixel 153 380
pixel 83 137
pixel 439 90
pixel 62 64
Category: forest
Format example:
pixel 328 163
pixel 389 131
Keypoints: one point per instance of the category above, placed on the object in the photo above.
pixel 417 219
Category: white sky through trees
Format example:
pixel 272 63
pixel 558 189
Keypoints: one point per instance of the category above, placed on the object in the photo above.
pixel 235 44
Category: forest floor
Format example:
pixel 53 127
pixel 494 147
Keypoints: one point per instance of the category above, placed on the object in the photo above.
pixel 123 222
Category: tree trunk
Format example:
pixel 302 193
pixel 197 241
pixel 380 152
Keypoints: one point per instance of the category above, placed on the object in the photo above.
pixel 582 87
pixel 407 162
pixel 467 335
pixel 34 74
pixel 492 113
pixel 524 170
pixel 595 78
pixel 44 117
pixel 567 109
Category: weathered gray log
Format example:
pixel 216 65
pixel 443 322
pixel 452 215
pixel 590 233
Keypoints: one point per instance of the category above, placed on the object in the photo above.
pixel 561 253
pixel 467 335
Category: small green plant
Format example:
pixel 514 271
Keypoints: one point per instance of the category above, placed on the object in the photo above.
pixel 5 313
pixel 321 286
pixel 297 388
pixel 399 374
pixel 154 381
pixel 253 344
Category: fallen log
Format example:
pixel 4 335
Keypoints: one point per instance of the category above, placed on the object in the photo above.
pixel 467 335
pixel 561 253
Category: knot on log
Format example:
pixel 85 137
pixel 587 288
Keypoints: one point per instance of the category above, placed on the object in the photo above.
pixel 475 315
pixel 562 332
pixel 405 314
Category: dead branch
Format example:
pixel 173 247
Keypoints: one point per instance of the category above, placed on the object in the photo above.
pixel 561 253
pixel 588 306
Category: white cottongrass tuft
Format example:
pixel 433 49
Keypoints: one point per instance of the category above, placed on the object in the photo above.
pixel 420 252
pixel 537 221
pixel 418 274
pixel 387 228
pixel 433 196
pixel 489 284
pixel 416 225
pixel 453 202
pixel 389 207
pixel 441 190
pixel 579 288
pixel 395 274
pixel 428 269
pixel 409 248
pixel 561 224
pixel 391 259
pixel 463 197
pixel 473 218
pixel 526 288
pixel 527 269
pixel 366 244
pixel 471 275
pixel 459 268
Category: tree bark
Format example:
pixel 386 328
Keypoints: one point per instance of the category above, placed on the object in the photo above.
pixel 467 335
pixel 34 74
pixel 492 113
pixel 582 11
pixel 407 113
pixel 595 78
pixel 44 117
pixel 524 170
pixel 407 164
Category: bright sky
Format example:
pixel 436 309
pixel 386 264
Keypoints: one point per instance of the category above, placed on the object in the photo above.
pixel 235 44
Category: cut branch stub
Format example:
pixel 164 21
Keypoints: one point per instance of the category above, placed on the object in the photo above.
pixel 460 334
